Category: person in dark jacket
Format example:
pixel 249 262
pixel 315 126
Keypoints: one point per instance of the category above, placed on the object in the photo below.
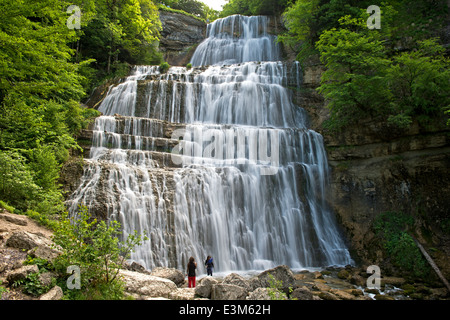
pixel 191 266
pixel 209 265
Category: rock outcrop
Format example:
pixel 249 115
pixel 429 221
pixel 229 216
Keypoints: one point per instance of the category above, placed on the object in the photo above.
pixel 180 35
pixel 144 286
pixel 376 168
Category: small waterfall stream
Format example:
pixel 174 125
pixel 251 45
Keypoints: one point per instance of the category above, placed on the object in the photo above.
pixel 215 160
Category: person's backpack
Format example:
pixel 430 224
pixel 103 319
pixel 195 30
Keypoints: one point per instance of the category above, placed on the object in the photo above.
pixel 210 263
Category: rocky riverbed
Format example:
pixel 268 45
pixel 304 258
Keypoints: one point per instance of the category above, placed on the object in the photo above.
pixel 21 236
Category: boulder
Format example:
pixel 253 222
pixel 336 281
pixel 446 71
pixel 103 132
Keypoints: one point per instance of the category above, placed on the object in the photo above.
pixel 343 274
pixel 44 252
pixel 141 285
pixel 55 293
pixel 134 266
pixel 259 294
pixel 169 273
pixel 327 296
pixel 321 286
pixel 357 280
pixel 204 287
pixel 281 273
pixel 26 240
pixel 228 292
pixel 21 273
pixel 318 275
pixel 302 293
pixel 182 294
pixel 46 278
pixel 342 294
pixel 394 281
pixel 234 278
pixel 14 219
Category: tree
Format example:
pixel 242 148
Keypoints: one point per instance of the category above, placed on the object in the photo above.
pixel 95 248
pixel 39 92
pixel 354 82
pixel 420 82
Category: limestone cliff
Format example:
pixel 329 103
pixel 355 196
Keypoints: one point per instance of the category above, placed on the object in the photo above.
pixel 377 169
pixel 180 36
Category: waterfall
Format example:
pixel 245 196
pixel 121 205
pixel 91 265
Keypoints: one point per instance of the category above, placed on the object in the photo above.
pixel 215 160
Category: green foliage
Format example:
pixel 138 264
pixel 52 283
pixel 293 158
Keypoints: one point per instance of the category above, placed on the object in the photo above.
pixel 189 66
pixel 254 7
pixel 420 82
pixel 7 207
pixel 275 290
pixel 392 227
pixel 95 248
pixel 40 90
pixel 363 80
pixel 164 67
pixel 32 285
pixel 17 186
pixel 2 289
pixel 354 82
pixel 42 264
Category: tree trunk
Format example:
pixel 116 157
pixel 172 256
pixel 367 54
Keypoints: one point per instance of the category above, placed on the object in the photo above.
pixel 432 264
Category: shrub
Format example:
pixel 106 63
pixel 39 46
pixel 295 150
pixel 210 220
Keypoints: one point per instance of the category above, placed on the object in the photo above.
pixel 164 67
pixel 392 228
pixel 95 248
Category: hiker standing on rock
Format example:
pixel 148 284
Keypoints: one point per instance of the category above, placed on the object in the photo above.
pixel 209 265
pixel 191 266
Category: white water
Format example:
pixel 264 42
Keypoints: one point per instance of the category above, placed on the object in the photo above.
pixel 220 202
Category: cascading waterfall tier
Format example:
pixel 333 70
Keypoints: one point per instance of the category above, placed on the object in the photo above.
pixel 215 160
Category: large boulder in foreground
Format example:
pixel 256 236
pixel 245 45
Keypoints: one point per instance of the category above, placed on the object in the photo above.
pixel 280 274
pixel 204 287
pixel 169 273
pixel 228 292
pixel 143 286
